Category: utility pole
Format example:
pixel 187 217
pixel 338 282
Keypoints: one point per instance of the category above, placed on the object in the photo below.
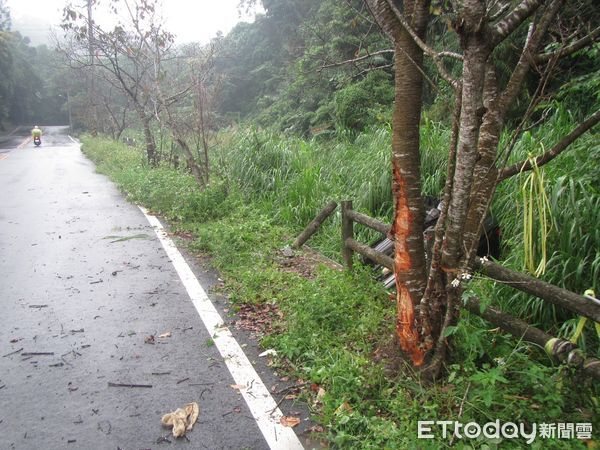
pixel 69 109
pixel 92 81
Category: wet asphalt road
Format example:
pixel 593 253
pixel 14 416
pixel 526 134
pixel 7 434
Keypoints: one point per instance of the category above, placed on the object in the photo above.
pixel 69 287
pixel 12 139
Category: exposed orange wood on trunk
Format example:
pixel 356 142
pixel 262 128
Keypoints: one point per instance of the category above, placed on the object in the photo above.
pixel 401 229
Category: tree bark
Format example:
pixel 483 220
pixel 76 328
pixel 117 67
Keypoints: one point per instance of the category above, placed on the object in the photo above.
pixel 149 139
pixel 474 74
pixel 485 172
pixel 201 179
pixel 407 226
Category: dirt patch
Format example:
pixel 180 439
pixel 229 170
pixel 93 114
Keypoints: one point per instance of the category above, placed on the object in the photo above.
pixel 387 351
pixel 258 319
pixel 186 235
pixel 303 262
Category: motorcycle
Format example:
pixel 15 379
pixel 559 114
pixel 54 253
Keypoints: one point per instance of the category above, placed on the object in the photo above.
pixel 37 141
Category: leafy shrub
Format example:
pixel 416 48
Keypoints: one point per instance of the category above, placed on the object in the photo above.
pixel 165 190
pixel 363 103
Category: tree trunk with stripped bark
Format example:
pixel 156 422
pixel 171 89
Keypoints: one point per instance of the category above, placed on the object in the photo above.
pixel 428 298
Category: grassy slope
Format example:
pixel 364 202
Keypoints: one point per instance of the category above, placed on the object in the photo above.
pixel 336 324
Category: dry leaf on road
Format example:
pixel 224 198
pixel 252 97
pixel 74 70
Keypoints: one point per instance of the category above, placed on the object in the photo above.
pixel 182 419
pixel 289 421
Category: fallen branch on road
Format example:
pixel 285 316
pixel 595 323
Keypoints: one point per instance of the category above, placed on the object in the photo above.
pixel 127 385
pixel 12 353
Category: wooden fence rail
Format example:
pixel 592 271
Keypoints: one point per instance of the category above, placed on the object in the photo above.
pixel 534 286
pixel 368 221
pixel 560 349
pixel 312 227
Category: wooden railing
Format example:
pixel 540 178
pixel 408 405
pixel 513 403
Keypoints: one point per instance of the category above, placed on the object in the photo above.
pixel 350 245
pixel 562 349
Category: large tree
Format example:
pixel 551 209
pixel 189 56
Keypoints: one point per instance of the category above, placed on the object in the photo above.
pixel 429 287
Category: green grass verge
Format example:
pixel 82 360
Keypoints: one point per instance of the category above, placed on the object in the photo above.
pixel 337 325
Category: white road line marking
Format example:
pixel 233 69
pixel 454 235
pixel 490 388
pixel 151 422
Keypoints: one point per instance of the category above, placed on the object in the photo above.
pixel 262 406
pixel 73 139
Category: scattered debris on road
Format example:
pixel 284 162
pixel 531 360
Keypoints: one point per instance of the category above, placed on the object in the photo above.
pixel 289 421
pixel 127 385
pixel 12 353
pixel 126 238
pixel 162 439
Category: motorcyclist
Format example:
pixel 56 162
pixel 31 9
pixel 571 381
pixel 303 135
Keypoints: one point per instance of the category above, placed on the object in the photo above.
pixel 36 133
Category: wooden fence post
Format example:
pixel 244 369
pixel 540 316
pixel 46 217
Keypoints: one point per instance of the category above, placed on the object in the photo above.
pixel 347 232
pixel 312 227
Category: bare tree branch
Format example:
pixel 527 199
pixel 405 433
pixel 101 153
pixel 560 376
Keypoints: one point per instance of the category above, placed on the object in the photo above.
pixel 558 148
pixel 436 56
pixel 536 33
pixel 370 69
pixel 569 49
pixel 513 19
pixel 354 60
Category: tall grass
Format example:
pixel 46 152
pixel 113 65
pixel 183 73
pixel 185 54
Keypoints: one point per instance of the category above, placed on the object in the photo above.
pixel 572 184
pixel 296 177
pixel 170 192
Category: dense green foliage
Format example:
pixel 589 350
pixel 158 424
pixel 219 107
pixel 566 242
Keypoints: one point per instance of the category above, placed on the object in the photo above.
pixel 28 80
pixel 284 70
pixel 274 68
